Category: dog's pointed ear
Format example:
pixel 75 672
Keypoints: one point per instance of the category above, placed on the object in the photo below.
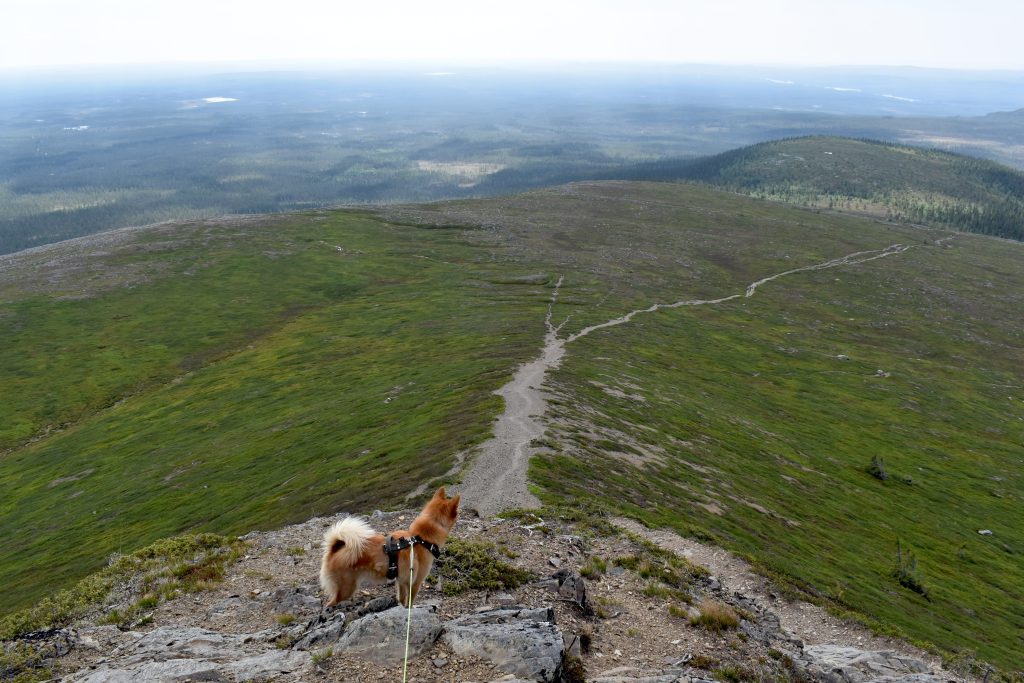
pixel 440 493
pixel 453 503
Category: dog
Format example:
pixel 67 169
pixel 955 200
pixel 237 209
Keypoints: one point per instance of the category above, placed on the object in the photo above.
pixel 355 554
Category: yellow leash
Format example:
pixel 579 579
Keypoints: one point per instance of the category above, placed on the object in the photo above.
pixel 408 618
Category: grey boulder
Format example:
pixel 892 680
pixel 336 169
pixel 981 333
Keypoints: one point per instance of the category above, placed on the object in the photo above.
pixel 380 637
pixel 523 642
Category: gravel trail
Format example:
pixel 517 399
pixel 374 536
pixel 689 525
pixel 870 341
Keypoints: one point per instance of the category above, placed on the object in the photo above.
pixel 496 480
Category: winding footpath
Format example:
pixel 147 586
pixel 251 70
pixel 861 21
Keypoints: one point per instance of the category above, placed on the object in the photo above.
pixel 496 481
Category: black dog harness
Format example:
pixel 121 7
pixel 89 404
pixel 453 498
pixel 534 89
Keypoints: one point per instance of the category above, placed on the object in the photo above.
pixel 393 547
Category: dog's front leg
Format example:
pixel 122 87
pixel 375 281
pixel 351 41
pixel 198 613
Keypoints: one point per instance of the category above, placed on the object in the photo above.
pixel 403 581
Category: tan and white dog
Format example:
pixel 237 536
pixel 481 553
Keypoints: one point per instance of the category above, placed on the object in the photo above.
pixel 354 553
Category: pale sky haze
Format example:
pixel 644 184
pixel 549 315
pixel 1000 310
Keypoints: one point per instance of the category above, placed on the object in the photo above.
pixel 981 34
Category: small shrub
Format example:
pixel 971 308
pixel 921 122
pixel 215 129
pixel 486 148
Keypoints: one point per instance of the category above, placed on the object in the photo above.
pixel 906 572
pixel 469 565
pixel 21 663
pixel 285 619
pixel 877 468
pixel 586 638
pixel 573 670
pixel 296 551
pixel 321 656
pixel 716 616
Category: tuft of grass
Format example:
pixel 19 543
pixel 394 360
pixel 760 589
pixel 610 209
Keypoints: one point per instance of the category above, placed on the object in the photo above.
pixel 703 662
pixel 296 551
pixel 594 568
pixel 604 607
pixel 716 616
pixel 734 673
pixel 321 656
pixel 285 619
pixel 678 612
pixel 472 565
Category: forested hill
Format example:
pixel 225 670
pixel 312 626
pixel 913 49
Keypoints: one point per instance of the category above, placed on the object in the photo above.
pixel 894 181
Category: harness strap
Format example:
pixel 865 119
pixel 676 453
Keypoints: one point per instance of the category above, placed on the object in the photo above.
pixel 393 546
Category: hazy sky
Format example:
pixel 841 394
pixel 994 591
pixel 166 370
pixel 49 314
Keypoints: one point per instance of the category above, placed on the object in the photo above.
pixel 936 33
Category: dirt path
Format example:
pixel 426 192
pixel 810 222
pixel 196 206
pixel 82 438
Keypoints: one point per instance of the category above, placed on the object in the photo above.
pixel 496 481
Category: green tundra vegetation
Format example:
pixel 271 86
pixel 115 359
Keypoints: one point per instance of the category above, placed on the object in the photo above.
pixel 241 375
pixel 219 376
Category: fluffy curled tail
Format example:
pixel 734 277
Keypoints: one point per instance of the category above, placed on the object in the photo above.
pixel 343 544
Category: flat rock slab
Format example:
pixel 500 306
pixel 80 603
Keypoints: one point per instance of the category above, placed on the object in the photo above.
pixel 868 666
pixel 266 666
pixel 380 638
pixel 523 642
pixel 193 654
pixel 263 667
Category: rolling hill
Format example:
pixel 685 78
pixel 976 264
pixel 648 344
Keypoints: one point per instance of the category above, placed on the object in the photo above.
pixel 816 391
pixel 865 176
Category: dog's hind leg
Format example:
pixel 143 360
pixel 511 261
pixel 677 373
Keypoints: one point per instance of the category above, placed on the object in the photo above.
pixel 344 587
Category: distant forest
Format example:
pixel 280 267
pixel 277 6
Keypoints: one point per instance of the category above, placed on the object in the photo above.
pixel 913 185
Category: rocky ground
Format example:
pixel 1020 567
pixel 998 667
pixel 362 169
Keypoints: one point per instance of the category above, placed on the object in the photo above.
pixel 629 619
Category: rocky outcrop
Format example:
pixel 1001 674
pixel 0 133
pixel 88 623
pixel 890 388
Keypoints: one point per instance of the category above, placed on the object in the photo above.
pixel 265 622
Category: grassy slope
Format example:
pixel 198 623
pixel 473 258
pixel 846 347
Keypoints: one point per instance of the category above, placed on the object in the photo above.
pixel 760 435
pixel 258 376
pixel 757 434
